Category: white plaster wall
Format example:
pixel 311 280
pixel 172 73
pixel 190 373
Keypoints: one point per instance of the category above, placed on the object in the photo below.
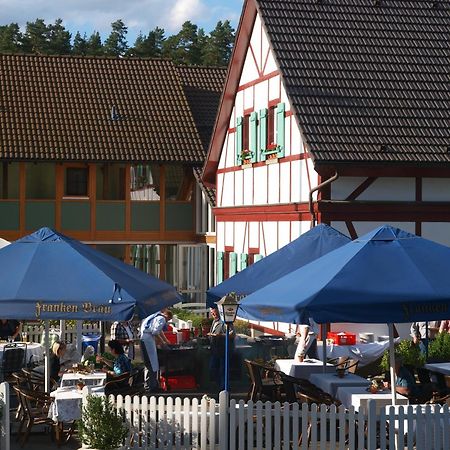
pixel 253 234
pixel 255 41
pixel 223 153
pixel 260 187
pixel 219 184
pixel 248 186
pixel 249 71
pixel 274 183
pixel 220 236
pixel 295 182
pixel 271 65
pixel 304 180
pixel 344 186
pixel 285 182
pixel 230 143
pixel 305 226
pixel 269 238
pixel 239 105
pixel 437 231
pixel 240 239
pixel 232 123
pixel 436 190
pixel 284 233
pixel 296 140
pixel 261 95
pixel 229 234
pixel 239 187
pixel 287 135
pixel 248 98
pixel 274 88
pixel 295 230
pixel 228 189
pixel 363 228
pixel 340 226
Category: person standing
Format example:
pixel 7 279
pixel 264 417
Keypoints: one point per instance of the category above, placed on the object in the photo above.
pixel 444 326
pixel 151 335
pixel 217 336
pixel 123 333
pixel 419 333
pixel 307 341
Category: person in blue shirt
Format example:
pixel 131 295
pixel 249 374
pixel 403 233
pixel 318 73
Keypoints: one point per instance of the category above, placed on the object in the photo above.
pixel 121 363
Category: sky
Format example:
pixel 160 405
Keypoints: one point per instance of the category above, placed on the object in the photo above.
pixel 138 15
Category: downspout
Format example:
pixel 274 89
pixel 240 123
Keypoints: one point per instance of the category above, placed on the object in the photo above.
pixel 317 188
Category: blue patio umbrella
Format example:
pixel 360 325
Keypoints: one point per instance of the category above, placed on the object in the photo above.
pixel 309 246
pixel 47 275
pixel 386 276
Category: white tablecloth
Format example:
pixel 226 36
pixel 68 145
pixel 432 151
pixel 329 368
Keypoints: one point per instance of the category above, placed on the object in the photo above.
pixel 67 404
pixel 359 397
pixel 304 369
pixel 35 352
pixel 330 382
pixel 364 353
pixel 443 368
pixel 90 379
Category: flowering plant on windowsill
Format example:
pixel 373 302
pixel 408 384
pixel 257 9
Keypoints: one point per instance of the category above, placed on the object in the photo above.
pixel 246 154
pixel 271 148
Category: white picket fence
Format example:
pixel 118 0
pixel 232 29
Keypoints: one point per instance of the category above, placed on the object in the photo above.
pixel 35 332
pixel 5 417
pixel 168 423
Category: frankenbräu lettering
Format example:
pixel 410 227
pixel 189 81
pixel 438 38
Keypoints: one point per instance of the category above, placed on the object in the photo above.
pixel 424 308
pixel 62 307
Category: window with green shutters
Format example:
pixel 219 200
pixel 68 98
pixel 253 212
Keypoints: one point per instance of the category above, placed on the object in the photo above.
pixel 280 118
pixel 254 136
pixel 233 264
pixel 244 257
pixel 263 133
pixel 257 258
pixel 220 257
pixel 239 129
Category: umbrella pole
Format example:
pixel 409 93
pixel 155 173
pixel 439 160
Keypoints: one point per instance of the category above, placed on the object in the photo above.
pixel 392 362
pixel 324 347
pixel 47 356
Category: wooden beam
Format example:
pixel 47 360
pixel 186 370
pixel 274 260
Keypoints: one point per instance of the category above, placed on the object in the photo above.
pixel 361 188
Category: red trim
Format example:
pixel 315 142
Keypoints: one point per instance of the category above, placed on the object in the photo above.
pixel 361 188
pixel 274 102
pixel 351 230
pixel 267 55
pixel 231 130
pixel 242 41
pixel 286 159
pixel 266 330
pixel 253 250
pixel 254 60
pixel 229 248
pixel 264 213
pixel 262 78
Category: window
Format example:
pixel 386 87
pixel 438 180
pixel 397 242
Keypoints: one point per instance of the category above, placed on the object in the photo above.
pixel 110 182
pixel 246 133
pixel 146 257
pixel 271 125
pixel 40 181
pixel 77 182
pixel 145 184
pixel 9 180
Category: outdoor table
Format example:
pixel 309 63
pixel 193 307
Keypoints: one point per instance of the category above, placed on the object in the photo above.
pixel 364 353
pixel 35 351
pixel 89 379
pixel 330 382
pixel 359 397
pixel 443 368
pixel 304 369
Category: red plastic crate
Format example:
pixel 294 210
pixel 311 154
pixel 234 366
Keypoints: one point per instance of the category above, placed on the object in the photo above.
pixel 179 383
pixel 342 338
pixel 172 337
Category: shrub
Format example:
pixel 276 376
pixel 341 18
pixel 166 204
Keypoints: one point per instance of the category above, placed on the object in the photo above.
pixel 101 426
pixel 411 354
pixel 242 327
pixel 439 349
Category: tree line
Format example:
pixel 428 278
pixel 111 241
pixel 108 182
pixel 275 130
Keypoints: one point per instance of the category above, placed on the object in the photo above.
pixel 190 46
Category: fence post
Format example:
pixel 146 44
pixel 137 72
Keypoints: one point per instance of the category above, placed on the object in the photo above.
pixel 224 401
pixel 371 425
pixel 5 421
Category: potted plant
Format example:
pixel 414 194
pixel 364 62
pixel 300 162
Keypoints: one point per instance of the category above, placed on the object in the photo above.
pixel 271 151
pixel 101 426
pixel 206 325
pixel 246 156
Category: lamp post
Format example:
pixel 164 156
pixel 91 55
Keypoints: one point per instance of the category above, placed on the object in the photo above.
pixel 228 307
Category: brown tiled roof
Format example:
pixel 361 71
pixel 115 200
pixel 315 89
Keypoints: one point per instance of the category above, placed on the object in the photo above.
pixel 210 193
pixel 369 80
pixel 203 87
pixel 54 107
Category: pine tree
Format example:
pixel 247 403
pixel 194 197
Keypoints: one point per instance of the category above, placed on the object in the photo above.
pixel 59 39
pixel 148 46
pixel 116 44
pixel 80 45
pixel 11 39
pixel 94 45
pixel 183 48
pixel 36 39
pixel 218 48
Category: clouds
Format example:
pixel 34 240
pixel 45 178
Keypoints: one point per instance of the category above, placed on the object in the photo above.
pixel 138 15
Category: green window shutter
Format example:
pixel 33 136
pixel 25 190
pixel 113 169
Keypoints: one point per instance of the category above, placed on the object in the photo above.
pixel 257 258
pixel 239 126
pixel 254 136
pixel 262 133
pixel 280 128
pixel 243 261
pixel 233 263
pixel 219 267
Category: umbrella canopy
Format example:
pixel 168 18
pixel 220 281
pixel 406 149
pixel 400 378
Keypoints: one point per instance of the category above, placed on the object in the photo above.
pixel 48 275
pixel 3 243
pixel 388 275
pixel 309 246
